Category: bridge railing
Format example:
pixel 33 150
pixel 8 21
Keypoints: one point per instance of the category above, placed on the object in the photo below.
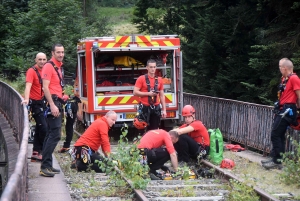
pixel 17 116
pixel 245 123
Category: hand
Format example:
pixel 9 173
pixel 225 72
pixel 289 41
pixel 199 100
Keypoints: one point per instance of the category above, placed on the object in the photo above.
pixel 54 110
pixel 25 102
pixel 164 114
pixel 152 93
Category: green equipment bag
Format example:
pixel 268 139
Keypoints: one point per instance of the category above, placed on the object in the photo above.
pixel 216 146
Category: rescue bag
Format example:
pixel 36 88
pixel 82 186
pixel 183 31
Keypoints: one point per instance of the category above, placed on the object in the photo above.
pixel 126 61
pixel 216 146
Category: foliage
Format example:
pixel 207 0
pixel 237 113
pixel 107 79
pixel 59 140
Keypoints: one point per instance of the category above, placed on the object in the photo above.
pixel 291 171
pixel 127 159
pixel 116 3
pixel 47 23
pixel 68 90
pixel 241 192
pixel 230 48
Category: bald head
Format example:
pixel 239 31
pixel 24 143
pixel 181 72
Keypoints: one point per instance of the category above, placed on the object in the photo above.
pixel 40 59
pixel 174 136
pixel 111 117
pixel 287 63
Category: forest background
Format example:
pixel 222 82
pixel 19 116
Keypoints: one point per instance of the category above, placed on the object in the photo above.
pixel 231 48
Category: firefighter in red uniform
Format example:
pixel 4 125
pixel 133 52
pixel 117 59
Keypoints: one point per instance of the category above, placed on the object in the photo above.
pixel 193 137
pixel 85 148
pixel 33 98
pixel 285 112
pixel 150 89
pixel 53 84
pixel 151 145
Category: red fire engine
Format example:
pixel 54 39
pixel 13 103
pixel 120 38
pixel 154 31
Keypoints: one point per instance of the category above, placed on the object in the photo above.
pixel 103 83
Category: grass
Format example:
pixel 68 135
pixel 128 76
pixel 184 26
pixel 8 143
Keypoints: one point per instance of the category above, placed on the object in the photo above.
pixel 117 15
pixel 254 174
pixel 120 20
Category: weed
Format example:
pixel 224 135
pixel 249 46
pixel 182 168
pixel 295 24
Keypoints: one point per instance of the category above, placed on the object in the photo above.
pixel 127 160
pixel 291 171
pixel 76 185
pixel 187 191
pixel 241 192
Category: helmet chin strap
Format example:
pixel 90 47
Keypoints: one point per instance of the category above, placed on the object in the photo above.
pixel 192 121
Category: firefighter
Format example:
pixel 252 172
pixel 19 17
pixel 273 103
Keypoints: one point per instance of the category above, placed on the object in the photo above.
pixel 193 137
pixel 285 112
pixel 85 149
pixel 71 108
pixel 152 104
pixel 151 146
pixel 33 98
pixel 53 85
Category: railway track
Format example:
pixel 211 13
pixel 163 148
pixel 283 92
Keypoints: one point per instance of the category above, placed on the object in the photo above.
pixel 215 188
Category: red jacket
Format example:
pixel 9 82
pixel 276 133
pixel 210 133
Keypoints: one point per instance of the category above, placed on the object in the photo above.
pixel 95 136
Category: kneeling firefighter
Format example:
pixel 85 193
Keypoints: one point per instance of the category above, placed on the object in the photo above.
pixel 85 154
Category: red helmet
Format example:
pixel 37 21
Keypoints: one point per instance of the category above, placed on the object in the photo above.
pixel 298 126
pixel 188 110
pixel 227 163
pixel 139 123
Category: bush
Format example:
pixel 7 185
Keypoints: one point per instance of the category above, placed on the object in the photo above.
pixel 291 172
pixel 241 192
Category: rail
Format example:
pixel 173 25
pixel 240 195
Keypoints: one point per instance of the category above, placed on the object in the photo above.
pixel 17 117
pixel 246 123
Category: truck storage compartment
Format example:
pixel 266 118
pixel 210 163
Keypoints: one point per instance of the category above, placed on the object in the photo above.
pixel 116 72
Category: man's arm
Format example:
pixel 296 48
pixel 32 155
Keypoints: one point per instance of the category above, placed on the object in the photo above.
pixel 53 108
pixel 26 93
pixel 184 130
pixel 105 144
pixel 137 92
pixel 163 103
pixel 298 95
pixel 174 161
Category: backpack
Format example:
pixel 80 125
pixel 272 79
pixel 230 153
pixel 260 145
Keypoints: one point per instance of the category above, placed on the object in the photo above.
pixel 216 146
pixel 126 61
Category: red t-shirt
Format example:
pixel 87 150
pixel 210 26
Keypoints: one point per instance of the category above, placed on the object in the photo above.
pixel 95 136
pixel 200 133
pixel 141 84
pixel 31 77
pixel 155 139
pixel 49 73
pixel 289 95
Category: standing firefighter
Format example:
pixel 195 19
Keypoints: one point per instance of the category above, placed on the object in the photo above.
pixel 53 83
pixel 150 89
pixel 71 108
pixel 33 98
pixel 285 111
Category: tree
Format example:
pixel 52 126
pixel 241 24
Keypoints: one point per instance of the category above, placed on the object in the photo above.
pixel 47 23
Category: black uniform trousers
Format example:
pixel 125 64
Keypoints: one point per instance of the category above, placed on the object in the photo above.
pixel 52 138
pixel 81 166
pixel 278 137
pixel 186 148
pixel 69 130
pixel 156 158
pixel 279 128
pixel 152 115
pixel 40 127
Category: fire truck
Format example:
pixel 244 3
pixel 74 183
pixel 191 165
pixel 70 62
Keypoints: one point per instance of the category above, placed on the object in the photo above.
pixel 103 85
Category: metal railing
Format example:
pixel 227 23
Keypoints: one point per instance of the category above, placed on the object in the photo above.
pixel 17 116
pixel 246 123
